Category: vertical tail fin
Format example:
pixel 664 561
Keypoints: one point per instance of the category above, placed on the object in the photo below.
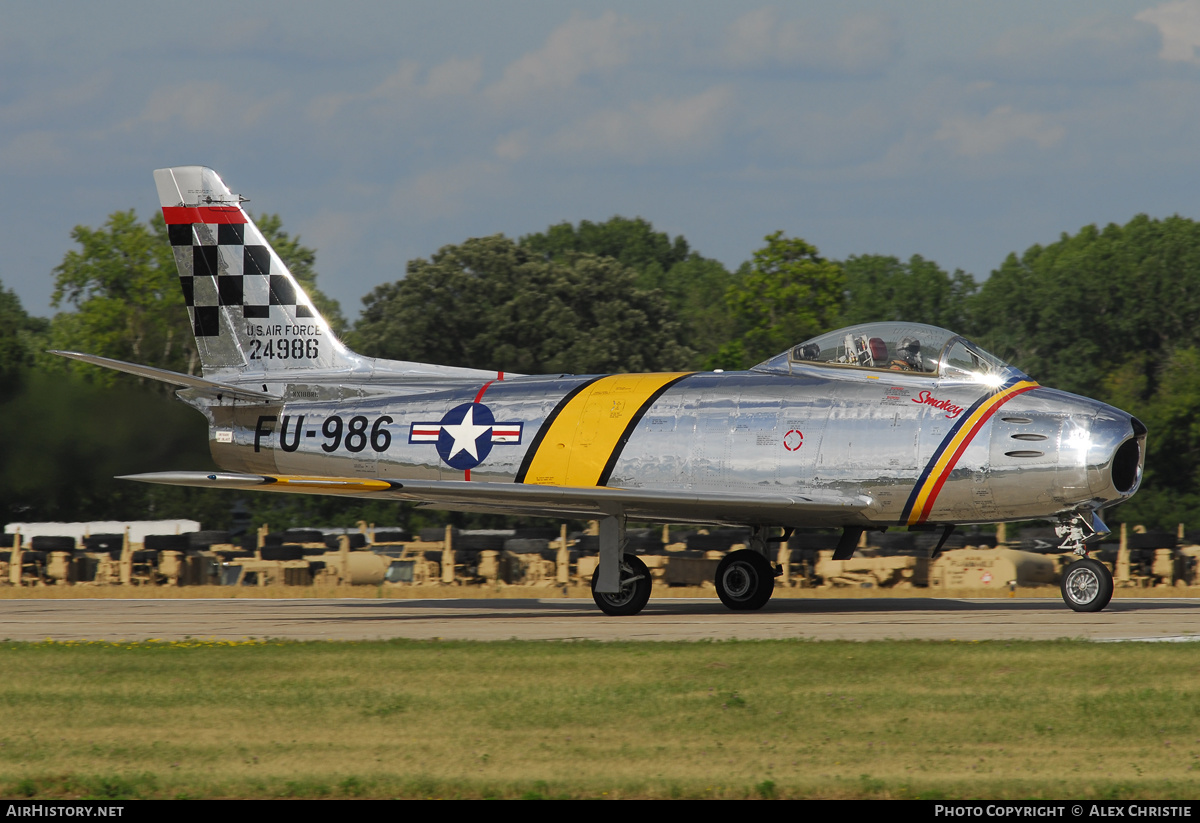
pixel 248 313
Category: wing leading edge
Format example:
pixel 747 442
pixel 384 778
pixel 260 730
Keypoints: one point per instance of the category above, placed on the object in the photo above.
pixel 795 509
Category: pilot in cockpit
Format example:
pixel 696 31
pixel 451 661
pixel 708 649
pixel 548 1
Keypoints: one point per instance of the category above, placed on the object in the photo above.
pixel 908 356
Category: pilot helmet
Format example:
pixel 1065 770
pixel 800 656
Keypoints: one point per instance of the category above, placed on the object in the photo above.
pixel 910 350
pixel 806 351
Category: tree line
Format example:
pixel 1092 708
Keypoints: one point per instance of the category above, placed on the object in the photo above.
pixel 1109 313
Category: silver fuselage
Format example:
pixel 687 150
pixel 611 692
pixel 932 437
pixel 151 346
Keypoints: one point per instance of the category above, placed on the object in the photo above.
pixel 920 449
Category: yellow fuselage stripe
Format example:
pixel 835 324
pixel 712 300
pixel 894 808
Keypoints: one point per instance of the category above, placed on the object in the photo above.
pixel 583 436
pixel 960 440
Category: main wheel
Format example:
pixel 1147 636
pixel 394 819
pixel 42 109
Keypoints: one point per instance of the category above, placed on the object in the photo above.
pixel 635 589
pixel 1087 585
pixel 745 580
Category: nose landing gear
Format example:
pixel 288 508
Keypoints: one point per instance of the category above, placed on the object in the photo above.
pixel 1087 584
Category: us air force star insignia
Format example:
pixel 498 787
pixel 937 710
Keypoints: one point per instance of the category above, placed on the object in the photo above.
pixel 465 435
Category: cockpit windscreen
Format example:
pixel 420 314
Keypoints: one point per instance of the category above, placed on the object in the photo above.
pixel 904 347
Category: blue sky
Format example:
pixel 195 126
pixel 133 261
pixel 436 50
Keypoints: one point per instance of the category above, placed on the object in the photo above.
pixel 381 131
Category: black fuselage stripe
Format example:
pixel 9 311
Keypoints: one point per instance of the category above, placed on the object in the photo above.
pixel 531 452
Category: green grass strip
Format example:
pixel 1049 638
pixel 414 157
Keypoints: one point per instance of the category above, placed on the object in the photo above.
pixel 736 719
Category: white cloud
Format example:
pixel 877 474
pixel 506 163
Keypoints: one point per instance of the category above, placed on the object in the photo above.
pixel 36 105
pixel 827 138
pixel 1090 51
pixel 859 45
pixel 445 192
pixel 34 152
pixel 453 77
pixel 514 145
pixel 674 129
pixel 204 106
pixel 574 49
pixel 1179 25
pixel 973 136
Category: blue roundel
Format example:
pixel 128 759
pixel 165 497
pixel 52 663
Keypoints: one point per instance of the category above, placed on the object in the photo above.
pixel 466 436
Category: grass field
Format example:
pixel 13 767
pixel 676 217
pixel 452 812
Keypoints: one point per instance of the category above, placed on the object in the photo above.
pixel 602 720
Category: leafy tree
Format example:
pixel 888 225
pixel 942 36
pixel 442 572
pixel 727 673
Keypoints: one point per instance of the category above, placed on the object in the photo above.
pixel 75 436
pixel 695 290
pixel 1071 312
pixel 1171 484
pixel 1111 313
pixel 788 294
pixel 919 291
pixel 634 243
pixel 20 336
pixel 488 303
pixel 694 286
pixel 123 285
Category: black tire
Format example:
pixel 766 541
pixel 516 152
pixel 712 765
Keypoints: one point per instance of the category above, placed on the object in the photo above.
pixel 205 539
pixel 635 589
pixel 303 536
pixel 167 542
pixel 1087 585
pixel 1152 540
pixel 536 533
pixel 46 543
pixel 479 542
pixel 288 551
pixel 358 540
pixel 526 545
pixel 110 544
pixel 745 580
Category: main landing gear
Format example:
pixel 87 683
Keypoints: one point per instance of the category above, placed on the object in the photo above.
pixel 745 580
pixel 1087 584
pixel 621 583
pixel 634 593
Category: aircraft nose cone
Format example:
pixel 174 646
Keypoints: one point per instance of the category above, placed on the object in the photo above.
pixel 1116 454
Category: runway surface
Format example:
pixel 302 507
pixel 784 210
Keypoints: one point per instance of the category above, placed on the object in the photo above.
pixel 1163 619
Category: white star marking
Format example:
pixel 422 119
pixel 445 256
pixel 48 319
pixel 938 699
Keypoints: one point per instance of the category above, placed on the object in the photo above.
pixel 465 434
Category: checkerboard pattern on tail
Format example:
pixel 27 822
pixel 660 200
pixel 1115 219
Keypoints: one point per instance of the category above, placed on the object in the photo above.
pixel 226 270
pixel 248 313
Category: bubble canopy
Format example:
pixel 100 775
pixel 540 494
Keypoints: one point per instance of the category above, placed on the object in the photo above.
pixel 899 347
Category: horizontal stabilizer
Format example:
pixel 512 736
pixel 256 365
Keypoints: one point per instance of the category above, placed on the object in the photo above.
pixel 186 381
pixel 518 498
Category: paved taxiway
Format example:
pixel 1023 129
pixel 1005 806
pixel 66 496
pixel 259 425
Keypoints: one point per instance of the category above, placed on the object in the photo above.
pixel 563 619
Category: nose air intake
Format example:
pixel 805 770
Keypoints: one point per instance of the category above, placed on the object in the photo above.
pixel 1127 461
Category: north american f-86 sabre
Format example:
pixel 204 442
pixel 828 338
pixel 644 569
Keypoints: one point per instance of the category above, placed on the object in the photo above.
pixel 875 426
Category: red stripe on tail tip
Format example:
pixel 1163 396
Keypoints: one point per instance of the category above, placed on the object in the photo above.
pixel 231 215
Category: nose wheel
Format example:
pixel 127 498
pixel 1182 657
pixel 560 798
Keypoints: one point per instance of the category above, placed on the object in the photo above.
pixel 1087 585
